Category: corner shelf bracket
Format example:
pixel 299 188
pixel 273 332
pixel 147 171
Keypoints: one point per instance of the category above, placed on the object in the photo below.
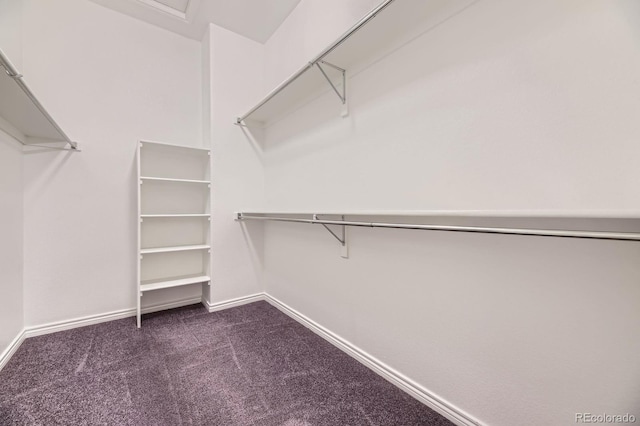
pixel 343 95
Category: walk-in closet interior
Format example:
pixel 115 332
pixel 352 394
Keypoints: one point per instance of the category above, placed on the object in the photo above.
pixel 319 212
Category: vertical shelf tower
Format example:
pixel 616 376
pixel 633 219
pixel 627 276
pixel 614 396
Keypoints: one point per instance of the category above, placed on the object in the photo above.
pixel 174 190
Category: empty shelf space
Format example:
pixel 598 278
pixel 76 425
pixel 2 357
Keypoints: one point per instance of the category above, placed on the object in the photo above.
pixel 174 249
pixel 173 282
pixel 166 179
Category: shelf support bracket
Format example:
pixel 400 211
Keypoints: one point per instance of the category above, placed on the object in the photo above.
pixel 343 95
pixel 341 239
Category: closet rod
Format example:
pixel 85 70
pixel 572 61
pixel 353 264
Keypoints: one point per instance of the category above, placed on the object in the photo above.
pixel 596 235
pixel 17 77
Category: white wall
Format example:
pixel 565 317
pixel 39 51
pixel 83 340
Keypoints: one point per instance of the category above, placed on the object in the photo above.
pixel 11 31
pixel 11 238
pixel 11 241
pixel 235 65
pixel 510 105
pixel 109 80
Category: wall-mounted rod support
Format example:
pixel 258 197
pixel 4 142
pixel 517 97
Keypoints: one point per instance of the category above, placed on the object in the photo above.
pixel 343 96
pixel 343 239
pixel 597 235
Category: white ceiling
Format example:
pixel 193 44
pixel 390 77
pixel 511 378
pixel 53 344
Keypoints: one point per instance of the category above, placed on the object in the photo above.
pixel 255 19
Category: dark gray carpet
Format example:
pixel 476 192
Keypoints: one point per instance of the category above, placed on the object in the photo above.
pixel 250 365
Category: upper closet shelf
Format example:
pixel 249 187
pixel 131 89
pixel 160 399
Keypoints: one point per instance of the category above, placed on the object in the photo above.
pixel 175 146
pixel 21 114
pixel 162 179
pixel 390 25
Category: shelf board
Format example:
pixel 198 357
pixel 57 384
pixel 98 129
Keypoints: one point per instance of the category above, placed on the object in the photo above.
pixel 149 285
pixel 171 145
pixel 174 249
pixel 162 179
pixel 624 223
pixel 145 216
pixel 387 27
pixel 502 213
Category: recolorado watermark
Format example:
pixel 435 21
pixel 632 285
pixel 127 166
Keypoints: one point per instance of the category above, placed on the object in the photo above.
pixel 605 418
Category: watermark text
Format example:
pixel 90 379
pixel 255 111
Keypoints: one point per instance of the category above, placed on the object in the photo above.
pixel 605 418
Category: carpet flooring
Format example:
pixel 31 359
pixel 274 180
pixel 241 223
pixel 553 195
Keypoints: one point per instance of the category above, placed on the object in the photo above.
pixel 249 365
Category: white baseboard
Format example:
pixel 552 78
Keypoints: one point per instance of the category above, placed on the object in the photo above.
pixel 53 327
pixel 428 398
pixel 232 303
pixel 6 355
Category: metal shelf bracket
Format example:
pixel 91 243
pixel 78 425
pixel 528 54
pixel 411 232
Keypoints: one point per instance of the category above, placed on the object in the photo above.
pixel 341 239
pixel 343 95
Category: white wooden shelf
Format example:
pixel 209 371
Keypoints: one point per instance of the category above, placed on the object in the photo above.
pixel 174 249
pixel 145 216
pixel 165 179
pixel 176 146
pixel 390 25
pixel 149 285
pixel 21 113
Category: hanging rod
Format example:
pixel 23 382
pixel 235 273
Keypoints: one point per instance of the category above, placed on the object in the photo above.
pixel 318 59
pixel 17 77
pixel 596 235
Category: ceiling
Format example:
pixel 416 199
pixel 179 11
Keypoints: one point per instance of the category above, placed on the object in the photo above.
pixel 255 19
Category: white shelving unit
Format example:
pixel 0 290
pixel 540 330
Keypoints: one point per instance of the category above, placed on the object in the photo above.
pixel 173 217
